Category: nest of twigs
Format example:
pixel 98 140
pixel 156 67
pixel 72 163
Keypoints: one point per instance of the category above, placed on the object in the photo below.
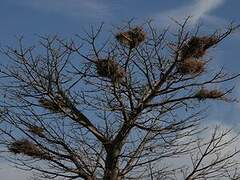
pixel 54 105
pixel 191 66
pixel 131 38
pixel 36 130
pixel 196 47
pixel 28 148
pixel 109 68
pixel 210 94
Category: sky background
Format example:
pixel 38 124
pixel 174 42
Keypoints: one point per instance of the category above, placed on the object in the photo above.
pixel 69 17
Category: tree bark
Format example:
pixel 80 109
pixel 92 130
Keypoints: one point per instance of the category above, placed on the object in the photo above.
pixel 91 178
pixel 112 164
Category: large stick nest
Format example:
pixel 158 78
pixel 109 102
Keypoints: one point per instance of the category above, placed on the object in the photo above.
pixel 28 148
pixel 210 94
pixel 131 38
pixel 196 47
pixel 191 66
pixel 109 68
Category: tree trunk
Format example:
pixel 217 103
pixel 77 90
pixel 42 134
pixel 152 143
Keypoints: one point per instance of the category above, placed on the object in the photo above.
pixel 112 165
pixel 91 178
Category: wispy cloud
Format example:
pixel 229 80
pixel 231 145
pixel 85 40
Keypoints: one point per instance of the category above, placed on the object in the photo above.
pixel 78 8
pixel 198 10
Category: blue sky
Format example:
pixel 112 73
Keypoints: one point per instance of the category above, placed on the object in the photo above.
pixel 69 17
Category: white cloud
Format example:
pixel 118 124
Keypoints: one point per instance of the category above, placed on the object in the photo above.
pixel 8 172
pixel 198 10
pixel 205 136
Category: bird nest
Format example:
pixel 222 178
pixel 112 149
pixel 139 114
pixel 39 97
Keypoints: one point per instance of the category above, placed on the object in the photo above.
pixel 28 148
pixel 210 94
pixel 109 68
pixel 131 38
pixel 36 130
pixel 53 105
pixel 196 47
pixel 191 66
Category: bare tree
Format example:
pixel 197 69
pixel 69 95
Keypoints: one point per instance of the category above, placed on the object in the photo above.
pixel 121 106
